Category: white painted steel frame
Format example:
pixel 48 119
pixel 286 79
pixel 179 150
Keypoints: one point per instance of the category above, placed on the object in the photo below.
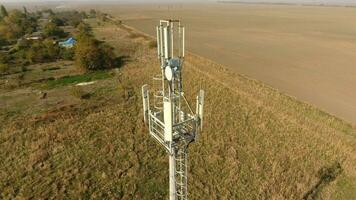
pixel 170 125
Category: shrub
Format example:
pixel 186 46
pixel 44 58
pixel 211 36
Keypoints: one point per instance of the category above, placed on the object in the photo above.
pixel 78 92
pixel 134 35
pixel 23 43
pixel 23 68
pixel 34 54
pixel 51 50
pixel 3 41
pixel 117 22
pixel 42 52
pixel 21 76
pixel 4 67
pixel 67 54
pixel 84 30
pixel 4 58
pixel 152 44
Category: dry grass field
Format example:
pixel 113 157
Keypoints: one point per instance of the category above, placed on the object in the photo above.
pixel 257 143
pixel 305 51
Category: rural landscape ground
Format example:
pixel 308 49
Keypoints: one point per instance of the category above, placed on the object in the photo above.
pixel 305 51
pixel 89 141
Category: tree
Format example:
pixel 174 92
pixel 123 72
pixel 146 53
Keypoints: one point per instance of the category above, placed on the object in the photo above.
pixel 57 21
pixel 16 24
pixel 108 56
pixel 92 13
pixel 84 30
pixel 3 11
pixel 87 54
pixel 71 18
pixel 44 51
pixel 35 54
pixel 25 10
pixel 50 50
pixel 90 54
pixel 83 14
pixel 52 30
pixel 10 31
pixel 29 24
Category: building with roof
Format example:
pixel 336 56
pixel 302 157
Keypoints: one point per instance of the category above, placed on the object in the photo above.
pixel 34 36
pixel 68 43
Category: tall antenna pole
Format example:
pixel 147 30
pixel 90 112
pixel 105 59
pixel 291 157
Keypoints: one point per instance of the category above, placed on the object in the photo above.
pixel 173 125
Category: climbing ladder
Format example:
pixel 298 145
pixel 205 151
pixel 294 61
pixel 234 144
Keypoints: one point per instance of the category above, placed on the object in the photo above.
pixel 181 171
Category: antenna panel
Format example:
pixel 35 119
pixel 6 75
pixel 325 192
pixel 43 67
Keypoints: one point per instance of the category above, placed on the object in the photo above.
pixel 168 123
pixel 166 42
pixel 158 42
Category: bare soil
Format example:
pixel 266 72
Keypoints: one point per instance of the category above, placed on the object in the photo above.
pixel 305 51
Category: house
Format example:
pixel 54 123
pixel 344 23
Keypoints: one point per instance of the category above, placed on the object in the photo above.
pixel 34 36
pixel 68 43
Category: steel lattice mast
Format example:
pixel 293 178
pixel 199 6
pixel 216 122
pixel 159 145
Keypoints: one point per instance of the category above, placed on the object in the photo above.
pixel 171 121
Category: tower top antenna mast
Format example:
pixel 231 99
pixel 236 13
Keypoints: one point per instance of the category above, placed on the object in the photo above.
pixel 171 121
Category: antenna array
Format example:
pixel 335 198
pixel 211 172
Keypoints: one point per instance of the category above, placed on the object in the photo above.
pixel 171 121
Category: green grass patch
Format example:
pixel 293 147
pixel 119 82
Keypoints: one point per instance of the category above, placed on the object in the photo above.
pixel 67 80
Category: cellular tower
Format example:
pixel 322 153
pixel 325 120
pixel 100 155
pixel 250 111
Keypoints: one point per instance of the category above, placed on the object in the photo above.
pixel 170 118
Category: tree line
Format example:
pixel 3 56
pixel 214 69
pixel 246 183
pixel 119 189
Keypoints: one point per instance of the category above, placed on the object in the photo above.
pixel 89 53
pixel 15 24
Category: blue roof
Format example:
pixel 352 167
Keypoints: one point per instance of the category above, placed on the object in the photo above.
pixel 70 41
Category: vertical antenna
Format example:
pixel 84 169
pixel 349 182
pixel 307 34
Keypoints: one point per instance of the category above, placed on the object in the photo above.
pixel 166 42
pixel 172 39
pixel 158 42
pixel 183 42
pixel 180 40
pixel 161 40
